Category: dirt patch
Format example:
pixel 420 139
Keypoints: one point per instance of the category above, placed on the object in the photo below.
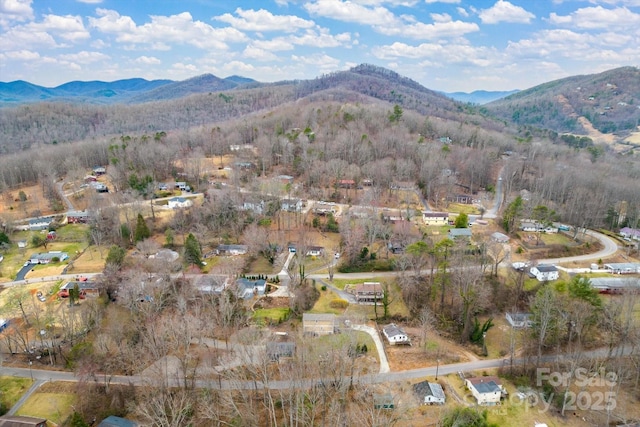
pixel 424 354
pixel 272 302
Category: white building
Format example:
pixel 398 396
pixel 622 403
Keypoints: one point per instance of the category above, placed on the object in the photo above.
pixel 395 335
pixel 429 393
pixel 486 390
pixel 545 272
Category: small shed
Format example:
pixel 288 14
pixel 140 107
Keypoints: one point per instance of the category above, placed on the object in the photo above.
pixel 395 335
pixel 429 393
pixel 499 237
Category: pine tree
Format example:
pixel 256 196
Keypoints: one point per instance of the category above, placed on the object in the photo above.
pixel 142 230
pixel 192 252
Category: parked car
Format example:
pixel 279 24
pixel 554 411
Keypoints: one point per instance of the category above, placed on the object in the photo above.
pixel 41 297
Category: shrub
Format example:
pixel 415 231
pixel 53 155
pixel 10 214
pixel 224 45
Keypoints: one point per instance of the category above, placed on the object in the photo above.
pixel 339 303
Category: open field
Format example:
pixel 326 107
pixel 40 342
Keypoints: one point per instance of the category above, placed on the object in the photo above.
pixel 53 401
pixel 11 389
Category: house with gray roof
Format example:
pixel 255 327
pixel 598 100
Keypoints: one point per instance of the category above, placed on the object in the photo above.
pixel 487 390
pixel 460 233
pixel 395 335
pixel 429 393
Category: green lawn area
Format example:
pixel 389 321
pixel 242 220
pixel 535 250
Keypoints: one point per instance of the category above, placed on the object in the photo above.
pixel 11 389
pixel 260 265
pixel 72 232
pixel 463 208
pixel 340 283
pixel 271 315
pixel 55 407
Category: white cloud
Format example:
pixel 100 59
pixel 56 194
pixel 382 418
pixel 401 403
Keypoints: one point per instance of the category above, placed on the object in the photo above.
pixel 462 12
pixel 276 44
pixel 90 1
pixel 179 66
pixel 503 11
pixel 22 55
pixel 164 31
pixel 147 60
pixel 253 52
pixel 598 18
pixel 442 1
pixel 15 10
pixel 439 55
pixel 437 30
pixel 263 20
pixel 84 57
pixel 347 11
pixel 68 27
pixel 23 37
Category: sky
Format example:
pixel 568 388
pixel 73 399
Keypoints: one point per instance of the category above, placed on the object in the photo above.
pixel 445 45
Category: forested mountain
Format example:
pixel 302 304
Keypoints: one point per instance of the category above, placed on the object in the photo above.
pixel 28 125
pixel 609 101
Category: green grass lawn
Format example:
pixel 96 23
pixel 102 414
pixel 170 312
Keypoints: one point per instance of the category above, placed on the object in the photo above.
pixel 55 407
pixel 11 389
pixel 271 315
pixel 72 232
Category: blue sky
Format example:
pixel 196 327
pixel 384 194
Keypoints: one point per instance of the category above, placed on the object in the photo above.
pixel 448 45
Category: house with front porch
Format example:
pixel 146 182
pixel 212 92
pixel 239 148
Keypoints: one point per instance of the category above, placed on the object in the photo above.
pixel 435 218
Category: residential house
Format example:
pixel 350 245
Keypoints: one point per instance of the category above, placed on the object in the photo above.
pixel 486 390
pixel 113 421
pixel 395 335
pixel 232 250
pixel 318 323
pixel 211 284
pixel 179 203
pixel 429 393
pixel 383 401
pixel 247 289
pixel 324 208
pixel 244 165
pixel 623 267
pixel 544 272
pixel 530 227
pixel 292 248
pixel 46 258
pixel 291 205
pixel 315 251
pixel 255 206
pixel 279 349
pixel 368 292
pixel 100 187
pixel 519 320
pixel 22 244
pixel 22 421
pixel 287 179
pixel 630 233
pixel 615 285
pixel 435 218
pixel 165 255
pixel 77 217
pixel 38 224
pixel 499 237
pixel 182 186
pixel 460 233
pixel 99 170
pixel 85 288
pixel 346 183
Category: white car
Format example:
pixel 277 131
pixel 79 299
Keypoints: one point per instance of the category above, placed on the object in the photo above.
pixel 337 255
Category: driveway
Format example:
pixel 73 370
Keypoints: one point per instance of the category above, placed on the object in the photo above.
pixel 23 271
pixel 384 363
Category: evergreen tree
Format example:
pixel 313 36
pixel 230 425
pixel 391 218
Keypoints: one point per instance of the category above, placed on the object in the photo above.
pixel 142 230
pixel 192 252
pixel 116 256
pixel 462 221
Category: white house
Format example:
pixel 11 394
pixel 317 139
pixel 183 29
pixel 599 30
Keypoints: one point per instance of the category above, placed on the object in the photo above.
pixel 47 257
pixel 435 218
pixel 519 320
pixel 545 272
pixel 486 390
pixel 429 393
pixel 623 267
pixel 315 251
pixel 179 203
pixel 232 250
pixel 291 205
pixel 395 335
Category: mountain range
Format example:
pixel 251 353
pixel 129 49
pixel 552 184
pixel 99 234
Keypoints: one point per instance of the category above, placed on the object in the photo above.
pixel 137 90
pixel 605 102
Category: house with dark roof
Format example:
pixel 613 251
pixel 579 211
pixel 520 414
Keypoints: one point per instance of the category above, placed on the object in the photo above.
pixel 486 390
pixel 435 218
pixel 429 393
pixel 395 335
pixel 368 292
pixel 544 272
pixel 247 289
pixel 291 205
